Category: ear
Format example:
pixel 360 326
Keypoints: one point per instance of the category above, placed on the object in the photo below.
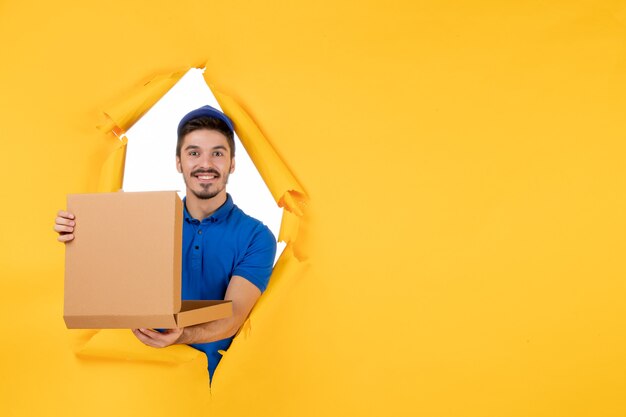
pixel 232 165
pixel 178 167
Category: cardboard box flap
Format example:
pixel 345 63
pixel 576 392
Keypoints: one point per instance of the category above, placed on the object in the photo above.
pixel 125 258
pixel 201 311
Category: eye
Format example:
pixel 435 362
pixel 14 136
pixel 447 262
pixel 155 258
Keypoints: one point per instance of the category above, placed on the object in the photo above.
pixel 218 153
pixel 193 153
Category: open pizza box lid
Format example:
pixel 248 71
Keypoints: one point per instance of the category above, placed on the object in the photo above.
pixel 123 268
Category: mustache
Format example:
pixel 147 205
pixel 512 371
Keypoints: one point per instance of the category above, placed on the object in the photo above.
pixel 206 171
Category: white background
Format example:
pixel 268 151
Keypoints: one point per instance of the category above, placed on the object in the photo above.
pixel 151 153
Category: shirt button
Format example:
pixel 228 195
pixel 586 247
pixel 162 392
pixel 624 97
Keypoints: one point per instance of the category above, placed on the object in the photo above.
pixel 199 232
pixel 197 247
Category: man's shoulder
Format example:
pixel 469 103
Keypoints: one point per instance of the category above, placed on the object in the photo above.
pixel 259 250
pixel 247 223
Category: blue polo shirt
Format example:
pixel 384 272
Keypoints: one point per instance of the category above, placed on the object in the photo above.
pixel 227 243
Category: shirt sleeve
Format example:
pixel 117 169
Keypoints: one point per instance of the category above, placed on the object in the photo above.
pixel 258 260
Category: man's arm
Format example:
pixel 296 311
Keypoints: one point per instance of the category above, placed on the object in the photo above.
pixel 243 294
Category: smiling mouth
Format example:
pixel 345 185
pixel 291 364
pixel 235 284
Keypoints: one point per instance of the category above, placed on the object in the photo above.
pixel 206 176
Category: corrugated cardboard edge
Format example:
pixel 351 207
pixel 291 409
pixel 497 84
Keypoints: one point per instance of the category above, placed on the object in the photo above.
pixel 165 321
pixel 178 250
pixel 202 311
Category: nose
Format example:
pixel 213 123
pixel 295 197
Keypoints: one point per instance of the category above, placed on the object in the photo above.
pixel 205 161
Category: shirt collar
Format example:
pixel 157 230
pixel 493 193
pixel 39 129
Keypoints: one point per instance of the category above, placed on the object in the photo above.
pixel 220 214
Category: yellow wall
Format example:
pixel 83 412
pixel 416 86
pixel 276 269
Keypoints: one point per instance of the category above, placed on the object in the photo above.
pixel 465 230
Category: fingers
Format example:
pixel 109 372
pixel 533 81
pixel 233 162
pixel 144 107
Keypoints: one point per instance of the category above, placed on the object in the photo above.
pixel 143 338
pixel 65 237
pixel 65 214
pixel 64 228
pixel 149 333
pixel 64 220
pixel 64 225
pixel 157 339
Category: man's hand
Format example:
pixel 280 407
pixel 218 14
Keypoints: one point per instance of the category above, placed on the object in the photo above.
pixel 243 295
pixel 64 226
pixel 158 339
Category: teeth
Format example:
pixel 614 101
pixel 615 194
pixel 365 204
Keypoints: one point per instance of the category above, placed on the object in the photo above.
pixel 206 177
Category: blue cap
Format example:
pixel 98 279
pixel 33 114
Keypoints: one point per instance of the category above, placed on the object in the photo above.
pixel 206 111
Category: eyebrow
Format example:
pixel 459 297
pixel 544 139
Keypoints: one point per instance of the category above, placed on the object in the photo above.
pixel 189 147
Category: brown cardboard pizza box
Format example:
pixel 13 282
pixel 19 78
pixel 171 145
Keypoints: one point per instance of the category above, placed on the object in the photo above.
pixel 123 268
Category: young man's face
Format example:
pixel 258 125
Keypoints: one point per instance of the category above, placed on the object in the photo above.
pixel 205 163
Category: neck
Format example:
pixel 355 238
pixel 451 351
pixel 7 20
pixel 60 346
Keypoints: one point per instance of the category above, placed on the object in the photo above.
pixel 200 208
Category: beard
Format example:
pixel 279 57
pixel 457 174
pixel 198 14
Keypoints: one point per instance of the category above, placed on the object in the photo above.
pixel 208 191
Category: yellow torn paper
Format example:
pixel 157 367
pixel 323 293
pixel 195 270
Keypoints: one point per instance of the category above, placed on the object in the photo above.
pixel 121 116
pixel 112 171
pixel 121 344
pixel 281 182
pixel 465 165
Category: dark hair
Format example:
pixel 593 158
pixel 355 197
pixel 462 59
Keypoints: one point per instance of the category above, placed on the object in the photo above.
pixel 209 123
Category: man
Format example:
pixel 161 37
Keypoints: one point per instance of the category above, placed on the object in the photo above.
pixel 226 253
